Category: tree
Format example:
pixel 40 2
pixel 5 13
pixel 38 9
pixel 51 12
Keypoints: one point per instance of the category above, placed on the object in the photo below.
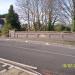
pixel 3 16
pixel 37 11
pixel 49 26
pixel 73 23
pixel 66 9
pixel 24 11
pixel 13 19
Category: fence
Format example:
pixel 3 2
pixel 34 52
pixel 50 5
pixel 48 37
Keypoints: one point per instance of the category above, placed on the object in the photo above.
pixel 43 34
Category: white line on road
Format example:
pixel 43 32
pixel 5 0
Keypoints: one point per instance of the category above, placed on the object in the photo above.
pixel 55 53
pixel 26 41
pixel 51 44
pixel 47 43
pixel 16 63
pixel 41 42
pixel 49 52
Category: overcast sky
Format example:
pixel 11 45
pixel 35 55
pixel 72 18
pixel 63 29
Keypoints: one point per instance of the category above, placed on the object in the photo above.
pixel 4 5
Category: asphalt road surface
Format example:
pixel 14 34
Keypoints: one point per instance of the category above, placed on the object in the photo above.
pixel 44 57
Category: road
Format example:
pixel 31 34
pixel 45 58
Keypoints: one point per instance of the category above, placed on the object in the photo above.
pixel 44 57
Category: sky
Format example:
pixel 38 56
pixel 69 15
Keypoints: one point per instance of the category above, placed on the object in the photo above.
pixel 5 4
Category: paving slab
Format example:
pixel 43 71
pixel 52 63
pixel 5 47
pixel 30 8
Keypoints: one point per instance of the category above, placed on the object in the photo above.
pixel 8 69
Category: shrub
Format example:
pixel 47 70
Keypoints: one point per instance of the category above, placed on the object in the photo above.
pixel 5 29
pixel 0 32
pixel 37 26
pixel 59 27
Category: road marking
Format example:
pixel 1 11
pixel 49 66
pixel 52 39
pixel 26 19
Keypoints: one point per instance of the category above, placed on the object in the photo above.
pixel 51 44
pixel 36 50
pixel 4 65
pixel 16 63
pixel 41 42
pixel 3 71
pixel 49 51
pixel 12 64
pixel 27 71
pixel 62 45
pixel 55 53
pixel 26 41
pixel 47 43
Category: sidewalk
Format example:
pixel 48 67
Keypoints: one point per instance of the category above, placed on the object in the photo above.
pixel 15 71
pixel 9 69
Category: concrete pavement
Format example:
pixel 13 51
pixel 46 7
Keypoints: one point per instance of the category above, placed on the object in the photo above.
pixel 9 69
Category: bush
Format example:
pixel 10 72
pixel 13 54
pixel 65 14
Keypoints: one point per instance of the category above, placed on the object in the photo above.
pixel 37 26
pixel 59 27
pixel 5 29
pixel 0 32
pixel 24 27
pixel 67 29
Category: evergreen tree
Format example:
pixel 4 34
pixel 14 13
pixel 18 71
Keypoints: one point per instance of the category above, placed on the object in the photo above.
pixel 13 19
pixel 49 26
pixel 73 25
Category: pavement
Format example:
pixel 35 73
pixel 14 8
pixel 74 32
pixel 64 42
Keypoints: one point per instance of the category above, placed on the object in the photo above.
pixel 14 71
pixel 9 69
pixel 45 56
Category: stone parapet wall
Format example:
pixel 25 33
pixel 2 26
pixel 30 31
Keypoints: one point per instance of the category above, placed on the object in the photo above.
pixel 42 34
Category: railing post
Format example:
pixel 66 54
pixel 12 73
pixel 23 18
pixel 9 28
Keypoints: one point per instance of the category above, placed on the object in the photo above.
pixel 37 35
pixel 12 33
